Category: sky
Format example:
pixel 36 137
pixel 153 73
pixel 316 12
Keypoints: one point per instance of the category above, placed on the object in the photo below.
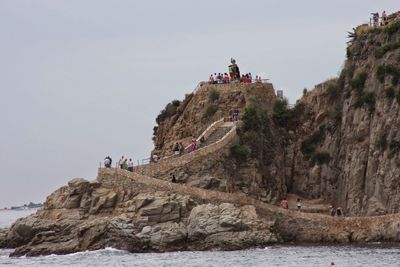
pixel 83 79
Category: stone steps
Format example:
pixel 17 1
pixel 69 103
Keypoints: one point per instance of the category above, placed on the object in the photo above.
pixel 219 133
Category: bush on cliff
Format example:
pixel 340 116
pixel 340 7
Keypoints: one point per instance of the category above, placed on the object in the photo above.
pixel 309 145
pixel 365 98
pixel 251 119
pixel 255 134
pixel 213 95
pixel 240 152
pixel 168 111
pixel 381 51
pixel 358 83
pixel 333 91
pixel 387 69
pixel 362 97
pixel 209 110
pixel 392 27
pixel 287 118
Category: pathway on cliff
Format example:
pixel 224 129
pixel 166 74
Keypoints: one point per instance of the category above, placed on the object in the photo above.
pixel 291 224
pixel 217 134
pixel 216 137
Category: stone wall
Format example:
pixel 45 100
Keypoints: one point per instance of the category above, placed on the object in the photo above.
pixel 163 166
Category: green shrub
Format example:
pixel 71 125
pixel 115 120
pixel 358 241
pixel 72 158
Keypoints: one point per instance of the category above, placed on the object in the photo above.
pixel 381 51
pixel 309 145
pixel 398 98
pixel 358 83
pixel 394 146
pixel 240 152
pixel 336 116
pixel 349 71
pixel 213 95
pixel 251 119
pixel 365 98
pixel 209 110
pixel 169 110
pixel 392 27
pixel 281 115
pixel 384 70
pixel 333 91
pixel 253 140
pixel 375 30
pixel 287 118
pixel 390 93
pixel 320 157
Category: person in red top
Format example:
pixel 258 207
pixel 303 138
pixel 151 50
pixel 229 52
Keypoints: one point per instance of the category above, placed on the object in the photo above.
pixel 226 78
pixel 284 204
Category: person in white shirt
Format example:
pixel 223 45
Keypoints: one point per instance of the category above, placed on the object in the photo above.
pixel 130 165
pixel 121 162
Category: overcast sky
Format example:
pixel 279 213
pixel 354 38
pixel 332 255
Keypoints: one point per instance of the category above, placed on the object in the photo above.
pixel 82 79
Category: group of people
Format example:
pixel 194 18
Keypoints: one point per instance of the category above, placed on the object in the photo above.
pixel 223 78
pixel 336 211
pixel 333 211
pixel 233 75
pixel 285 204
pixel 123 163
pixel 383 20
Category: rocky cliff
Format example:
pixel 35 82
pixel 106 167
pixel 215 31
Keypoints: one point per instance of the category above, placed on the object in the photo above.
pixel 339 143
pixel 133 212
pixel 347 147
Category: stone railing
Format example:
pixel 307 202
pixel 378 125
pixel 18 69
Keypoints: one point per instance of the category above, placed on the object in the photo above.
pixel 210 129
pixel 163 166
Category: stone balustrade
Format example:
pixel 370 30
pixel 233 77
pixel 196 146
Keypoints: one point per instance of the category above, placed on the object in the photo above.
pixel 163 166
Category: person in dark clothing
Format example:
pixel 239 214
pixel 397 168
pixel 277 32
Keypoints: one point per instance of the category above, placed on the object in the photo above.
pixel 107 162
pixel 173 178
pixel 339 211
pixel 176 149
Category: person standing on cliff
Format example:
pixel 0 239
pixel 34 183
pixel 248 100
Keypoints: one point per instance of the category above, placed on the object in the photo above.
pixel 284 203
pixel 130 165
pixel 384 18
pixel 107 162
pixel 298 204
pixel 121 162
pixel 181 148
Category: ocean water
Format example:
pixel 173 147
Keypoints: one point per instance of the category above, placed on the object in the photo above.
pixel 278 255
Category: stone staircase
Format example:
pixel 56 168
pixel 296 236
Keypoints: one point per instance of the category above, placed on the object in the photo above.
pixel 217 134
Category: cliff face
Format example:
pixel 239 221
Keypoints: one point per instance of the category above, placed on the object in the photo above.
pixel 357 116
pixel 180 120
pixel 340 143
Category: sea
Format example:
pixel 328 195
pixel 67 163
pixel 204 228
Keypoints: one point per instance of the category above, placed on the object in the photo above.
pixel 277 255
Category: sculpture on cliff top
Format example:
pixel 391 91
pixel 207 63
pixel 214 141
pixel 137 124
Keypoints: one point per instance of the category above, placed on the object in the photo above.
pixel 234 71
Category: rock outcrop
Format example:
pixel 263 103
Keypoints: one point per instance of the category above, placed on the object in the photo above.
pixel 148 214
pixel 136 213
